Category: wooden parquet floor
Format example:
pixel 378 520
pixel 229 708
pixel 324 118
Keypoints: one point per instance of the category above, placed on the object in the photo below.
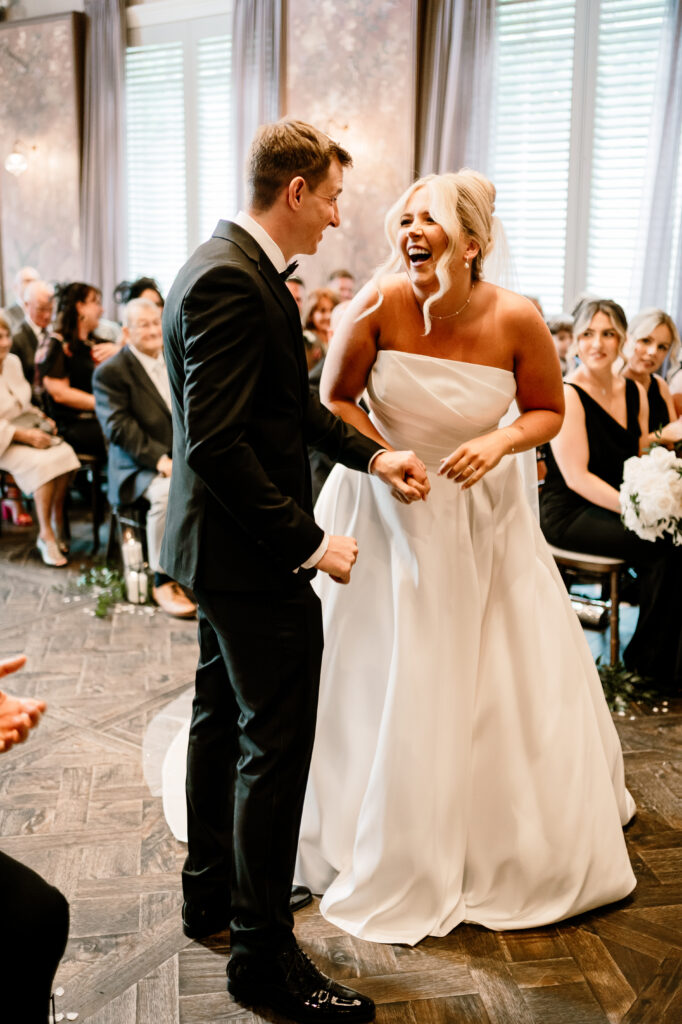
pixel 76 805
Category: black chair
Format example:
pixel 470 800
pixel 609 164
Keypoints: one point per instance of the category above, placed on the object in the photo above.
pixel 92 466
pixel 597 567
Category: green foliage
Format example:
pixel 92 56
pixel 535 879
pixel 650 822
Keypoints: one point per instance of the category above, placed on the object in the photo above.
pixel 106 583
pixel 623 687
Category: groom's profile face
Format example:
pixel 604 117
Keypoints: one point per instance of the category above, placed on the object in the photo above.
pixel 320 209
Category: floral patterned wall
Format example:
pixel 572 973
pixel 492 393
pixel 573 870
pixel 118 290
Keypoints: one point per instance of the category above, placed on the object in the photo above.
pixel 351 72
pixel 39 210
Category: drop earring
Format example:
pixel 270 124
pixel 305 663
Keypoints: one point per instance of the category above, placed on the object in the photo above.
pixel 466 264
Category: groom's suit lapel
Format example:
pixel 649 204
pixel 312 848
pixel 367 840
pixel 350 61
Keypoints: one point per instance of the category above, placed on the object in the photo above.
pixel 279 291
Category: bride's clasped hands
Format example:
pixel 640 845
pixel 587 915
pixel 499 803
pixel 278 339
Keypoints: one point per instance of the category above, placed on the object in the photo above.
pixel 404 473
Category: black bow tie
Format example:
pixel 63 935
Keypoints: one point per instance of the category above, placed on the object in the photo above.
pixel 284 274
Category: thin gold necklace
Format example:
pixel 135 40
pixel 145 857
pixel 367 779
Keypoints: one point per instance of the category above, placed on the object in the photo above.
pixel 446 316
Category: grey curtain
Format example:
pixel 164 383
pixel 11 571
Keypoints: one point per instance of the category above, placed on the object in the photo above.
pixel 257 69
pixel 102 194
pixel 455 85
pixel 657 252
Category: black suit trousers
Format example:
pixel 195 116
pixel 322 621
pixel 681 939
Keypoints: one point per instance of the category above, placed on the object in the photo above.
pixel 250 744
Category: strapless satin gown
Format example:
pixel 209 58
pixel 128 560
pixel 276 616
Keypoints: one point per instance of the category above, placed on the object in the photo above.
pixel 466 766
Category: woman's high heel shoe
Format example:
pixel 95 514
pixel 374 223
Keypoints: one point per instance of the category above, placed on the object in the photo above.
pixel 14 512
pixel 50 553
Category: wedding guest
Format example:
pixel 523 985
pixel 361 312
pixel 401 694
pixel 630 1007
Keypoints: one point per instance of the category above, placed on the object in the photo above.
pixel 16 312
pixel 31 452
pixel 317 315
pixel 342 282
pixel 607 422
pixel 35 914
pixel 140 288
pixel 132 403
pixel 32 333
pixel 296 286
pixel 69 363
pixel 653 337
pixel 561 329
pixel 320 464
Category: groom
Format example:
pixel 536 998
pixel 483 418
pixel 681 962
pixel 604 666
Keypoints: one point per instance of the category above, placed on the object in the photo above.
pixel 240 532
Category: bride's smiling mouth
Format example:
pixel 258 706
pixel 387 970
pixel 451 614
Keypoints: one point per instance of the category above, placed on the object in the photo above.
pixel 417 254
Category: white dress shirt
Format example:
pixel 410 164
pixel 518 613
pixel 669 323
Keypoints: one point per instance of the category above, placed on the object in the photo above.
pixel 155 368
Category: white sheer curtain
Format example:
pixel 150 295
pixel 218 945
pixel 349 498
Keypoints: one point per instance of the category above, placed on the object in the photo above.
pixel 257 68
pixel 102 194
pixel 650 284
pixel 455 85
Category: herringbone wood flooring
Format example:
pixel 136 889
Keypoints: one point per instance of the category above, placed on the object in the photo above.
pixel 76 806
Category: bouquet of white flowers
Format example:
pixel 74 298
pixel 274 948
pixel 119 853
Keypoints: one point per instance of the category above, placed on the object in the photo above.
pixel 651 495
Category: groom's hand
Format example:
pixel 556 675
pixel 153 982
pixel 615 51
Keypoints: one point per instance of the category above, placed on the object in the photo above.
pixel 404 473
pixel 339 558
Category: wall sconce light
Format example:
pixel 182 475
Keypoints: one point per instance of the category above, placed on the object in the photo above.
pixel 17 161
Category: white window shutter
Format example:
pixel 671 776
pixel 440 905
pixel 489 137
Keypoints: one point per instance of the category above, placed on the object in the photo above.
pixel 531 136
pixel 627 62
pixel 155 137
pixel 217 187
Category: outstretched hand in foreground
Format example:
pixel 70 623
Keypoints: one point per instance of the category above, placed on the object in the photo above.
pixel 18 715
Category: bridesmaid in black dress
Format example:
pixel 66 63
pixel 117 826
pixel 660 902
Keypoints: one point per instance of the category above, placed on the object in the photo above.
pixel 652 335
pixel 607 422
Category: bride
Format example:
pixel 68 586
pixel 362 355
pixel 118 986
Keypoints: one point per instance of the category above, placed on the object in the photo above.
pixel 466 767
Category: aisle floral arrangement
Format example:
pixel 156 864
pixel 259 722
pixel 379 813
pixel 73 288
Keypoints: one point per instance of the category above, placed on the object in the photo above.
pixel 651 495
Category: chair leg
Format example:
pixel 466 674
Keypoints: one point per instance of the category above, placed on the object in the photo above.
pixel 96 505
pixel 615 640
pixel 111 539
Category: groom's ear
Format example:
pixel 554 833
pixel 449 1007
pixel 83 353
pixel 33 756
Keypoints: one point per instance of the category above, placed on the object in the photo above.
pixel 295 192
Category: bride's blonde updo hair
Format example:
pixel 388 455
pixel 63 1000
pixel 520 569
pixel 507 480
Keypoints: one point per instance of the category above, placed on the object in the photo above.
pixel 461 202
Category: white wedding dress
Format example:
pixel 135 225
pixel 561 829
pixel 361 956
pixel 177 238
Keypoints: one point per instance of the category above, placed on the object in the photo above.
pixel 466 767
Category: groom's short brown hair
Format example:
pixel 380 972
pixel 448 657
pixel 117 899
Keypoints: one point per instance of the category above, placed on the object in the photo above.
pixel 285 150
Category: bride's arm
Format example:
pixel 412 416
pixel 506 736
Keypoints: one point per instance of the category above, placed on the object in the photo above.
pixel 539 396
pixel 350 358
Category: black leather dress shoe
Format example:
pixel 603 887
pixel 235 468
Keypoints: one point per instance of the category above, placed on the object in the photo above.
pixel 198 922
pixel 292 985
pixel 300 897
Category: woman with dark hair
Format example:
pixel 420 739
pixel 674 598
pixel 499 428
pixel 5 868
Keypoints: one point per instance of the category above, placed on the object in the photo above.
pixel 140 288
pixel 69 362
pixel 607 422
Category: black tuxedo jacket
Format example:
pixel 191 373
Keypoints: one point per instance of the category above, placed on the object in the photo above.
pixel 24 345
pixel 240 506
pixel 135 421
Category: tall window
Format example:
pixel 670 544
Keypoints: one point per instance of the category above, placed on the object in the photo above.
pixel 575 89
pixel 179 110
pixel 531 138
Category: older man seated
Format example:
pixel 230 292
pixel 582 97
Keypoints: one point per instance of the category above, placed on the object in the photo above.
pixel 132 403
pixel 16 312
pixel 32 334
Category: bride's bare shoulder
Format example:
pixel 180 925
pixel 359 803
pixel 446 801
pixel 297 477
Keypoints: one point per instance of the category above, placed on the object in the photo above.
pixel 382 297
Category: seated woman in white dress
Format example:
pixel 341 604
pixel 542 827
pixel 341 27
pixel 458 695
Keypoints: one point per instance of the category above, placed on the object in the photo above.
pixel 39 462
pixel 466 766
